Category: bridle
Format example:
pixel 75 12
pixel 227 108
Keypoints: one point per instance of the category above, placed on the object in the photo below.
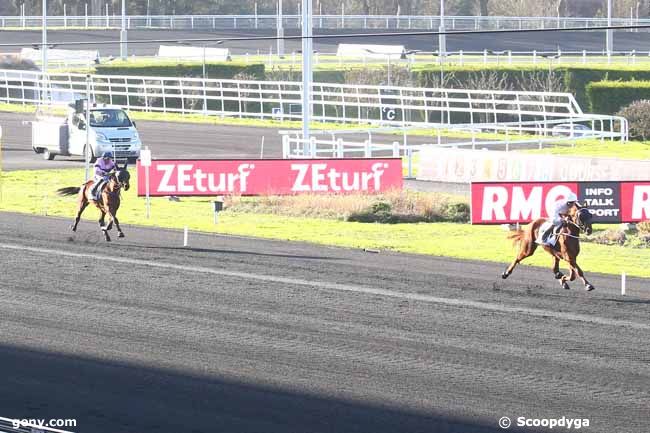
pixel 119 184
pixel 582 227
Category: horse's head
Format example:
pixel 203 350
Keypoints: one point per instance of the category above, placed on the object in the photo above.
pixel 582 218
pixel 123 177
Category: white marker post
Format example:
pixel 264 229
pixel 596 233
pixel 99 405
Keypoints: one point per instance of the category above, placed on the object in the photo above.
pixel 623 284
pixel 145 161
pixel 185 235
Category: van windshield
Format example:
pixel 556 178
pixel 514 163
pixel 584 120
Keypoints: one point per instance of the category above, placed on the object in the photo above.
pixel 107 118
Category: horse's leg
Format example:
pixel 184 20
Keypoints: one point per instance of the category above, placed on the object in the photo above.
pixel 82 206
pixel 110 221
pixel 527 249
pixel 556 268
pixel 113 218
pixel 563 280
pixel 102 226
pixel 576 269
pixel 119 229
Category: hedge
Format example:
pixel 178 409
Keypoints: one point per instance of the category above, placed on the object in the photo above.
pixel 223 70
pixel 575 78
pixel 609 97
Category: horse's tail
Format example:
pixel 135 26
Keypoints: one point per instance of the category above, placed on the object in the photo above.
pixel 516 236
pixel 70 190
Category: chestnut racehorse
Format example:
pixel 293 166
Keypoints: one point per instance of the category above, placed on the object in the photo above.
pixel 566 248
pixel 108 204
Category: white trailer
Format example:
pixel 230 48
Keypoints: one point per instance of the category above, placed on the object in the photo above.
pixel 111 130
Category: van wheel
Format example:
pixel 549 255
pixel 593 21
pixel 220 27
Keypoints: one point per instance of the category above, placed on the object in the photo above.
pixel 93 158
pixel 48 155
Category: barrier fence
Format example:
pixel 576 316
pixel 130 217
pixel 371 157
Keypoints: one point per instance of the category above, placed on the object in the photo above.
pixel 334 21
pixel 281 100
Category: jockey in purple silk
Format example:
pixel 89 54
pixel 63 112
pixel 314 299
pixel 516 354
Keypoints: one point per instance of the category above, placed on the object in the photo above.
pixel 103 167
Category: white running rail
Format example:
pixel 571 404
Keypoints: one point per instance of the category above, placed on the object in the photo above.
pixel 388 22
pixel 281 100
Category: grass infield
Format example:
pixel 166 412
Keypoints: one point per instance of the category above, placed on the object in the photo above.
pixel 34 192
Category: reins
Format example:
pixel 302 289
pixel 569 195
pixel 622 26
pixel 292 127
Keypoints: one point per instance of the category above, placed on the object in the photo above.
pixel 569 234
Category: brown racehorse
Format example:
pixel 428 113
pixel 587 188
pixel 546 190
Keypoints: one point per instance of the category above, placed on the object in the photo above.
pixel 566 248
pixel 109 202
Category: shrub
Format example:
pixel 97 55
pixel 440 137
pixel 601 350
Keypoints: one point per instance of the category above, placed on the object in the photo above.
pixel 644 228
pixel 457 212
pixel 609 237
pixel 638 116
pixel 392 207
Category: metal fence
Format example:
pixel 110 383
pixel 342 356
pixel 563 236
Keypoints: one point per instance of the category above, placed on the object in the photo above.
pixel 335 144
pixel 525 112
pixel 415 22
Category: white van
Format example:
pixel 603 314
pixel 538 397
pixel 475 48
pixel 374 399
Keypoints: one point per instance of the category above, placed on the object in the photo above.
pixel 111 129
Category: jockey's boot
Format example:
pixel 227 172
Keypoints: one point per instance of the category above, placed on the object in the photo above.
pixel 547 234
pixel 97 190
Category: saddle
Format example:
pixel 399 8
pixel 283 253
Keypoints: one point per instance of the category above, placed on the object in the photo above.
pixel 97 189
pixel 545 236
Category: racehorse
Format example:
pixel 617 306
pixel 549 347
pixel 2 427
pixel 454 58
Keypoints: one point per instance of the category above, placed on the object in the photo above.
pixel 109 202
pixel 567 246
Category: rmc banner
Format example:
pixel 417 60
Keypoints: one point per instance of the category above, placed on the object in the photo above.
pixel 609 202
pixel 270 177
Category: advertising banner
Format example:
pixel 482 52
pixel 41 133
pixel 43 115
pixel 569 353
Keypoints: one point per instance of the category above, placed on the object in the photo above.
pixel 270 177
pixel 521 202
pixel 466 165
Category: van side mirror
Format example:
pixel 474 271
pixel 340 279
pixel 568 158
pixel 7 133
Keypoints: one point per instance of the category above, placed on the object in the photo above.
pixel 82 126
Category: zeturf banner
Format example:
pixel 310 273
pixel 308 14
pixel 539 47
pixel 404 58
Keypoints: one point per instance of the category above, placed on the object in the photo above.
pixel 609 202
pixel 270 177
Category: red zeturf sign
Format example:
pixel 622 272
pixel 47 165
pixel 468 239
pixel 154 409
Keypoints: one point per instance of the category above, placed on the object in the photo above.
pixel 609 202
pixel 270 177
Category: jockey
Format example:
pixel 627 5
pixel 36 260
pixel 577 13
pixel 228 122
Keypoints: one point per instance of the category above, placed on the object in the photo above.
pixel 103 167
pixel 560 213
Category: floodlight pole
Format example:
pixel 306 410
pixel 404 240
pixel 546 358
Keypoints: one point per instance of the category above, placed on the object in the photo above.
pixel 44 41
pixel 280 30
pixel 123 35
pixel 442 38
pixel 609 40
pixel 87 148
pixel 306 71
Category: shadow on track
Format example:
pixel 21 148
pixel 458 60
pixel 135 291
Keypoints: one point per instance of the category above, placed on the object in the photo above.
pixel 235 252
pixel 628 301
pixel 110 397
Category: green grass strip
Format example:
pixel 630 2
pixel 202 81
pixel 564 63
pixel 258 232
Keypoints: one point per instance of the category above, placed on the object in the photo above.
pixel 598 148
pixel 33 192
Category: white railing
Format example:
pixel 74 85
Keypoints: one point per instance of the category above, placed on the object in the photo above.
pixel 281 100
pixel 335 144
pixel 292 21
